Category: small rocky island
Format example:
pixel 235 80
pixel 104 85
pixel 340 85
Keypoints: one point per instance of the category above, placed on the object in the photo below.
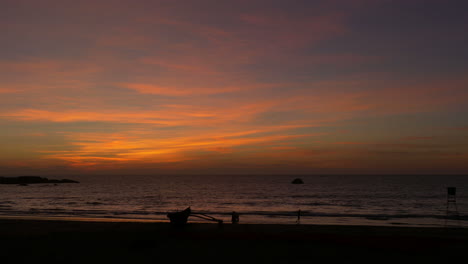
pixel 297 181
pixel 23 180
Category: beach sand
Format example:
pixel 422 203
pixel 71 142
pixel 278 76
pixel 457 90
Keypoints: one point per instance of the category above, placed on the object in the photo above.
pixel 52 241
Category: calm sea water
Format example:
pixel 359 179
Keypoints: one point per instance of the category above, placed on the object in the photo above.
pixel 331 199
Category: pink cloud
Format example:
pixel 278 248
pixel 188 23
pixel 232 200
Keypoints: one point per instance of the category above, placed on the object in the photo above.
pixel 188 65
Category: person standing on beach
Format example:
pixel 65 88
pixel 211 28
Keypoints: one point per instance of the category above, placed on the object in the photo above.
pixel 235 218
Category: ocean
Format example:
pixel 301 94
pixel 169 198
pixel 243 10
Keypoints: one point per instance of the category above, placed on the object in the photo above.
pixel 388 200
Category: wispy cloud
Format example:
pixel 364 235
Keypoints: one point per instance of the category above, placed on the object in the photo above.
pixel 255 84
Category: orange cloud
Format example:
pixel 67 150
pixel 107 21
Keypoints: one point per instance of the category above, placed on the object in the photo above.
pixel 173 91
pixel 7 90
pixel 93 149
pixel 185 91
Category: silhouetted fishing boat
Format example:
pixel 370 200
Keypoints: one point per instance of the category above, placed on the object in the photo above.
pixel 179 218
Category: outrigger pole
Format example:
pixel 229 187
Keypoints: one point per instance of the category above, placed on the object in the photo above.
pixel 207 217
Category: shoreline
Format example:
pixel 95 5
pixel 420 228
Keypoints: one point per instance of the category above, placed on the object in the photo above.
pixel 124 242
pixel 305 220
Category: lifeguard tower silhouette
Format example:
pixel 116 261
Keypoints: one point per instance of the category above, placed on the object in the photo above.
pixel 452 210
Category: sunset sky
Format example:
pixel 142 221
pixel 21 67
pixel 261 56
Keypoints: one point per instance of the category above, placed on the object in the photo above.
pixel 233 86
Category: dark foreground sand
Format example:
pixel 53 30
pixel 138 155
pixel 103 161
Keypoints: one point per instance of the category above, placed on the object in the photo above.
pixel 36 241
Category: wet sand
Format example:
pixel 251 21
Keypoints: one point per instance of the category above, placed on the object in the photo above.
pixel 52 241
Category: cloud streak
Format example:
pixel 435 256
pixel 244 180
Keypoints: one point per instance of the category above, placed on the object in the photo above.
pixel 212 84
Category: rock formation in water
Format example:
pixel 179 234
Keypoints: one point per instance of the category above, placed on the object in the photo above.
pixel 31 180
pixel 297 181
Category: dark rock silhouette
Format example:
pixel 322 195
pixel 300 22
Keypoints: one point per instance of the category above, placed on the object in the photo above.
pixel 25 180
pixel 297 181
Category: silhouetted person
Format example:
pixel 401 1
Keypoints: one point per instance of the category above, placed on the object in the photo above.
pixel 235 218
pixel 298 217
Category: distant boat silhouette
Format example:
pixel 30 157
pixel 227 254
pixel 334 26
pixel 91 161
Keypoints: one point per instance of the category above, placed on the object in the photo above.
pixel 297 181
pixel 179 218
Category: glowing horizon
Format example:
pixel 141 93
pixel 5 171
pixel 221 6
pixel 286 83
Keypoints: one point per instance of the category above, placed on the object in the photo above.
pixel 233 87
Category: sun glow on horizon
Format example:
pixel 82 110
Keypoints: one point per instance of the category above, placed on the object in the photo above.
pixel 306 86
